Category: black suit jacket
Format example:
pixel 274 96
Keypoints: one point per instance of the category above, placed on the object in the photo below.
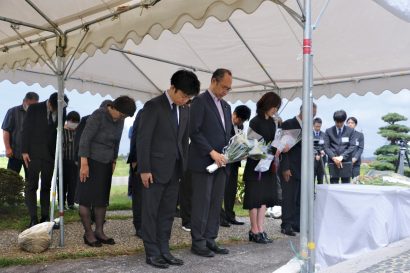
pixel 336 146
pixel 39 134
pixel 292 159
pixel 359 146
pixel 159 140
pixel 206 131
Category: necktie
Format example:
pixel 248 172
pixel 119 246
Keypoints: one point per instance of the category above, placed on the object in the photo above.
pixel 175 114
pixel 339 132
pixel 175 117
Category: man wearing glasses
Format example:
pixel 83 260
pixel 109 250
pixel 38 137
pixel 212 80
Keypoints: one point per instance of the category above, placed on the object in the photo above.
pixel 210 131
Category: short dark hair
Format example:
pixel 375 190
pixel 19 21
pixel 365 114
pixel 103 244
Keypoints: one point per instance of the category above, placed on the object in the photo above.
pixel 105 103
pixel 317 120
pixel 31 96
pixel 243 112
pixel 73 116
pixel 125 105
pixel 266 102
pixel 352 119
pixel 220 73
pixel 340 116
pixel 53 100
pixel 186 81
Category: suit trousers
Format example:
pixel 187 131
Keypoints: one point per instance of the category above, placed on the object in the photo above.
pixel 230 192
pixel 291 202
pixel 207 195
pixel 158 209
pixel 185 198
pixel 335 180
pixel 319 171
pixel 70 175
pixel 45 167
pixel 136 196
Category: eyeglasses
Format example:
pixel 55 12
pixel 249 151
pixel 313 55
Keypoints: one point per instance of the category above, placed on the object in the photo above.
pixel 226 88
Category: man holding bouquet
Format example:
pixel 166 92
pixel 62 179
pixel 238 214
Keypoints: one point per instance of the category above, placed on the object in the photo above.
pixel 162 148
pixel 291 167
pixel 210 131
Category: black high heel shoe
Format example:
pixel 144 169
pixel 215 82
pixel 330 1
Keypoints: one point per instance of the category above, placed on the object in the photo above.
pixel 257 238
pixel 92 244
pixel 266 238
pixel 109 241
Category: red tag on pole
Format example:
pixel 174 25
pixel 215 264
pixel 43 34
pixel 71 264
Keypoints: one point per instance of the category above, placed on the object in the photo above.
pixel 307 46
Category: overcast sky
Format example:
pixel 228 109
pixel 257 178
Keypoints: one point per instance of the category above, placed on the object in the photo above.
pixel 367 109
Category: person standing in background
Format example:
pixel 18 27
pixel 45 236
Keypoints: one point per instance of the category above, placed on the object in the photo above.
pixel 12 130
pixel 320 155
pixel 241 114
pixel 359 144
pixel 70 167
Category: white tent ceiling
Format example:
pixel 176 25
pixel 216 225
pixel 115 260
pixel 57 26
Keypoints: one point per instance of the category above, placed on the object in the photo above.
pixel 358 46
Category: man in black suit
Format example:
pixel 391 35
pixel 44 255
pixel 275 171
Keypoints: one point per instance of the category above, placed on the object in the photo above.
pixel 241 114
pixel 359 147
pixel 320 156
pixel 210 131
pixel 291 168
pixel 339 147
pixel 162 150
pixel 135 183
pixel 38 151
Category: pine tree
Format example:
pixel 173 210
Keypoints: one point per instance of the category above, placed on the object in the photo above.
pixel 387 155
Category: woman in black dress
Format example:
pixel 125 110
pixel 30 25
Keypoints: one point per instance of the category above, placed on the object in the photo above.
pixel 260 187
pixel 98 151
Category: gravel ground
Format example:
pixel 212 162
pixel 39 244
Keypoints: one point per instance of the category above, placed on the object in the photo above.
pixel 123 233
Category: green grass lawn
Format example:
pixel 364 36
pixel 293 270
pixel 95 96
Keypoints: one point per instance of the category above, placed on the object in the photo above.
pixel 121 168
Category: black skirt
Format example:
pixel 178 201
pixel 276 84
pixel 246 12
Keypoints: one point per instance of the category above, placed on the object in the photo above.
pixel 260 188
pixel 95 191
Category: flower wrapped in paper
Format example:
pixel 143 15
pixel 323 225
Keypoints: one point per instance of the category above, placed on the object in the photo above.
pixel 286 139
pixel 236 150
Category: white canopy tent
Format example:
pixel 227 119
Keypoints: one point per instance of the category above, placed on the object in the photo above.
pixel 365 53
pixel 103 47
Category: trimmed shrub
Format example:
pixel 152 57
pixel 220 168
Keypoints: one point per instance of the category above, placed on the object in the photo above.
pixel 11 188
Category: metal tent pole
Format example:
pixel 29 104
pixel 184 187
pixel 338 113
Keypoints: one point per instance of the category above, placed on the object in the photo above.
pixel 307 158
pixel 60 78
pixel 311 178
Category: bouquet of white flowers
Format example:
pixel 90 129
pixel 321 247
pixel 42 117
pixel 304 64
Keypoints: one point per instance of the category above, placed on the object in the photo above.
pixel 236 150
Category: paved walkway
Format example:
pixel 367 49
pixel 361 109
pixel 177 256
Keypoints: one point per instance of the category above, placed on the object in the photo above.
pixel 243 257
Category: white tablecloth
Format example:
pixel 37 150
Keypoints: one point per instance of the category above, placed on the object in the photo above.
pixel 353 219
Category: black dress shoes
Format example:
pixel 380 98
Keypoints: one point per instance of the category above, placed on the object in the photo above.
pixel 296 228
pixel 157 261
pixel 204 252
pixel 235 222
pixel 218 250
pixel 224 223
pixel 172 260
pixel 288 231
